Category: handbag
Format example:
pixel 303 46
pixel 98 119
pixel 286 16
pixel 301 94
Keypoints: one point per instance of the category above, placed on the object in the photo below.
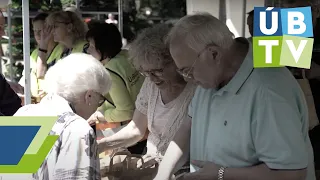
pixel 128 170
pixel 305 86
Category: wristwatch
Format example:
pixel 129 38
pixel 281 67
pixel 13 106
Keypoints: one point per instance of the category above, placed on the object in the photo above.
pixel 221 173
pixel 43 50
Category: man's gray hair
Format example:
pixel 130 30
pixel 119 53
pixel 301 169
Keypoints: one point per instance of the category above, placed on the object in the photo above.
pixel 150 48
pixel 77 73
pixel 200 30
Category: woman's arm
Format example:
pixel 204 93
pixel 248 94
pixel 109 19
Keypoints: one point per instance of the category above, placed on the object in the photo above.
pixel 177 152
pixel 46 34
pixel 127 136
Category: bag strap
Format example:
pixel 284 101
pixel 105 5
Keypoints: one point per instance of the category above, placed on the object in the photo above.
pixel 127 153
pixel 149 164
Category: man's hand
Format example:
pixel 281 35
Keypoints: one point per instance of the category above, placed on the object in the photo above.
pixel 207 171
pixel 17 88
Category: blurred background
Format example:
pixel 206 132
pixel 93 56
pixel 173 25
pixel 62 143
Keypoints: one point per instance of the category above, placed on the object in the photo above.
pixel 135 16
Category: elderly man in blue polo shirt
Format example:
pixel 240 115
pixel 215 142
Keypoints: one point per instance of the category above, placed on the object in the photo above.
pixel 246 123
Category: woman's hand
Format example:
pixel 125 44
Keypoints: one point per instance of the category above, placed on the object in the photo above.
pixel 145 158
pixel 97 116
pixel 46 35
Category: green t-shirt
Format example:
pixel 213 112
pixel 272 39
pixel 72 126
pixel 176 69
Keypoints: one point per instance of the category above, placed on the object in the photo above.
pixel 126 84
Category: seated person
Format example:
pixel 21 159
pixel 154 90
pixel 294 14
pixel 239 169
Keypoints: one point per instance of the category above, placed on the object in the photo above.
pixel 73 95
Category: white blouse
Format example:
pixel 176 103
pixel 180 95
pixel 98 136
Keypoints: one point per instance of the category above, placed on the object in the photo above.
pixel 164 120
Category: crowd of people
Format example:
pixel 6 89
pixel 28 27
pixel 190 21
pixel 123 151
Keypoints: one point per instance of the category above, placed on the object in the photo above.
pixel 186 94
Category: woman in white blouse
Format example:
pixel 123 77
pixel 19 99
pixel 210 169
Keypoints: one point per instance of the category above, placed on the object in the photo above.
pixel 73 95
pixel 163 101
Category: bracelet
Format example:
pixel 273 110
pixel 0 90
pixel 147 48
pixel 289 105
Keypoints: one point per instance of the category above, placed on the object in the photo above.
pixel 221 173
pixel 43 50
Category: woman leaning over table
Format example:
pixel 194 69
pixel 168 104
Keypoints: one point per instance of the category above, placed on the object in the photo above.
pixel 105 45
pixel 69 31
pixel 73 95
pixel 162 103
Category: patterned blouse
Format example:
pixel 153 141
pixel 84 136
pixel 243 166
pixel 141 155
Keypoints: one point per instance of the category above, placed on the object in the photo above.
pixel 164 120
pixel 75 154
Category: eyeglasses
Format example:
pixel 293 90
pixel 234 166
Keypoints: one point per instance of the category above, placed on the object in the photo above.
pixel 154 72
pixel 187 74
pixel 157 72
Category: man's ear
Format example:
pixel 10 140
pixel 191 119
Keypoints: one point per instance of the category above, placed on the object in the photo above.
pixel 214 52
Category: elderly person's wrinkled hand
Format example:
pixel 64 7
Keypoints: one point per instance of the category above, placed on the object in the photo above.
pixel 208 171
pixel 97 116
pixel 148 160
pixel 16 87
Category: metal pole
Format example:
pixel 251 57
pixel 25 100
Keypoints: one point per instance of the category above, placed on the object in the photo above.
pixel 10 43
pixel 26 50
pixel 120 18
pixel 222 11
pixel 244 17
pixel 78 5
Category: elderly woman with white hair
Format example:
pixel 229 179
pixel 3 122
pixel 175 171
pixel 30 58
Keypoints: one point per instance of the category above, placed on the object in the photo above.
pixel 162 104
pixel 73 95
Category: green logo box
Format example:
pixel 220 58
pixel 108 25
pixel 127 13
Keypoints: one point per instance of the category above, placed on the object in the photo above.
pixel 281 54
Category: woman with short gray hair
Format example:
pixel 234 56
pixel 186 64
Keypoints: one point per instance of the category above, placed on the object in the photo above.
pixel 162 104
pixel 73 95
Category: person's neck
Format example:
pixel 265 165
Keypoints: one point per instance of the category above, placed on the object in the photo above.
pixel 69 43
pixel 51 46
pixel 105 61
pixel 235 60
pixel 171 93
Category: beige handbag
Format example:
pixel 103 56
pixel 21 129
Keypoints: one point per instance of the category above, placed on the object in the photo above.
pixel 127 170
pixel 305 86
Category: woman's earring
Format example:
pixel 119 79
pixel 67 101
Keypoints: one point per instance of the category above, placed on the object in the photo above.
pixel 89 104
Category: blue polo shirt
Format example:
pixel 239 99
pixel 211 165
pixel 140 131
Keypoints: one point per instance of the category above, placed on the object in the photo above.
pixel 260 116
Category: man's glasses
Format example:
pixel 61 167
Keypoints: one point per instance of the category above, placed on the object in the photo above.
pixel 186 74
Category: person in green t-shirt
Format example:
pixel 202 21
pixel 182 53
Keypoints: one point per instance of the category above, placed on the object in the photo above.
pixel 69 31
pixel 106 46
pixel 38 24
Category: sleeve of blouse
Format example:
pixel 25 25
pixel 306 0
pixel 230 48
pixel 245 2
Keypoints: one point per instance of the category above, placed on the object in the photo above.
pixel 78 157
pixel 143 97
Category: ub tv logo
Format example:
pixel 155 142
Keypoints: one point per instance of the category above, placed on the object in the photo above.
pixel 282 37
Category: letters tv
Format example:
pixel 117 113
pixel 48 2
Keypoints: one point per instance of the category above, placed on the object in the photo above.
pixel 282 37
